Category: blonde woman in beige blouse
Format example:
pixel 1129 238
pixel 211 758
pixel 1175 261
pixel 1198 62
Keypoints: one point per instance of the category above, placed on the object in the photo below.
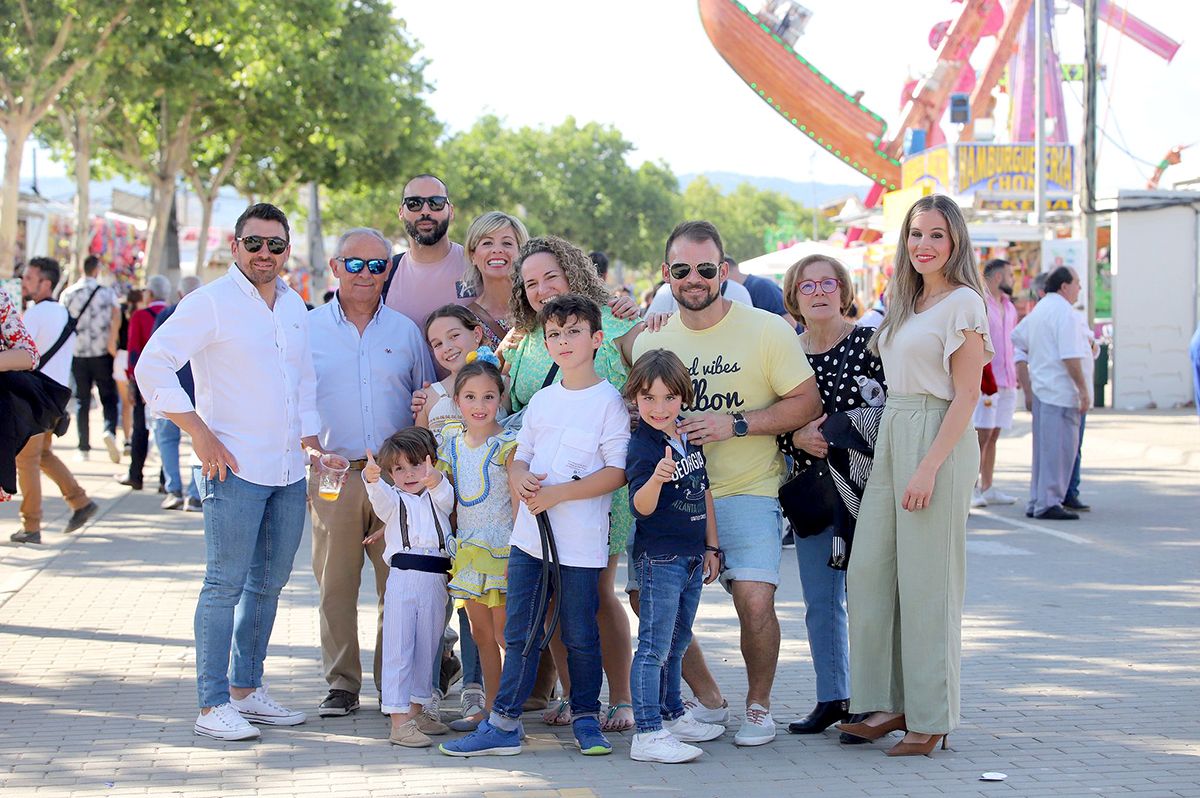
pixel 907 569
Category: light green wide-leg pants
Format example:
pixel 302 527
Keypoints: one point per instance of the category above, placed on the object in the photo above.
pixel 907 573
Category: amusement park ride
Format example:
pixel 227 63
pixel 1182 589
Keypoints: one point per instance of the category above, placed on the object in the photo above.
pixel 762 49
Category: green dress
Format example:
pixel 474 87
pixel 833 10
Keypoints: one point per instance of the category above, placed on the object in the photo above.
pixel 530 362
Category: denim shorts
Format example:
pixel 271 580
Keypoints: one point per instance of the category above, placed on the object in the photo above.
pixel 750 530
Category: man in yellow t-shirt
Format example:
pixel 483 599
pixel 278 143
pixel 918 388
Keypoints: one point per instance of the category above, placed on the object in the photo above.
pixel 752 381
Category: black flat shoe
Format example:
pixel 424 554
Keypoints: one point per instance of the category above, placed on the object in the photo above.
pixel 1076 505
pixel 1057 513
pixel 81 516
pixel 823 715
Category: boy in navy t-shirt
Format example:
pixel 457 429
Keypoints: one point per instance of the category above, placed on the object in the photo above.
pixel 675 553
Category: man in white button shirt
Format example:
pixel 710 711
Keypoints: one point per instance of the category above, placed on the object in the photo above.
pixel 1056 354
pixel 368 360
pixel 246 336
pixel 45 321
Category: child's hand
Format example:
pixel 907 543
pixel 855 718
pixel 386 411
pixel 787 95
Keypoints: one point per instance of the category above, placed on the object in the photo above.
pixel 712 567
pixel 544 499
pixel 665 470
pixel 419 398
pixel 374 536
pixel 529 485
pixel 371 471
pixel 430 476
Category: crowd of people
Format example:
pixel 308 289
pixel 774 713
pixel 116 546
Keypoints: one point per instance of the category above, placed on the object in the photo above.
pixel 494 430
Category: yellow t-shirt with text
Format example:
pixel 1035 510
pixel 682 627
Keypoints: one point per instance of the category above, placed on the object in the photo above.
pixel 745 362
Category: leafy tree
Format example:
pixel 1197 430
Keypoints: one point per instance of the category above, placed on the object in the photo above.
pixel 44 45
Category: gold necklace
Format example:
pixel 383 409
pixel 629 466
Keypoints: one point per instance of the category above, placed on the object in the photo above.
pixel 847 328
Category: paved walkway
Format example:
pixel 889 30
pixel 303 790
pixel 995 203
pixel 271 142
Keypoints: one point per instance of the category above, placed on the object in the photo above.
pixel 1079 669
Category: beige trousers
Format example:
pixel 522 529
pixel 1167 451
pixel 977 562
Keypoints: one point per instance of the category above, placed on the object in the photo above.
pixel 338 529
pixel 37 458
pixel 907 573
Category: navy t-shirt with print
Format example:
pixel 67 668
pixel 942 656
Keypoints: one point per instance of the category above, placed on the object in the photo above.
pixel 679 524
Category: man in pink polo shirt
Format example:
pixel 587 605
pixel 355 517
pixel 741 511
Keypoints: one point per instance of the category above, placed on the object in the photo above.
pixel 995 412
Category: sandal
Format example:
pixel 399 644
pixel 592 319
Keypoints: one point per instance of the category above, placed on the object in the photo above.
pixel 558 713
pixel 618 718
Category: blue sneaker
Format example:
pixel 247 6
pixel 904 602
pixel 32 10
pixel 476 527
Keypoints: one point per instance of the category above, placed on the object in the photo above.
pixel 592 741
pixel 487 740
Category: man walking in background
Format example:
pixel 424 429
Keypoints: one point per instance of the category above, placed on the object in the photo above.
pixel 98 317
pixel 166 432
pixel 994 413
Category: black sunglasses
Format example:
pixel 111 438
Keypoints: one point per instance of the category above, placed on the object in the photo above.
pixel 275 244
pixel 355 265
pixel 681 270
pixel 435 203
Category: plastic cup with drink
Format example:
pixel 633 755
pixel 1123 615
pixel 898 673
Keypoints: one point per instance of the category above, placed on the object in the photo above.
pixel 331 474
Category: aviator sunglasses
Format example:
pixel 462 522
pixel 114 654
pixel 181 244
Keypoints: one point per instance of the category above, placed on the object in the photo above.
pixel 355 265
pixel 275 244
pixel 436 203
pixel 681 270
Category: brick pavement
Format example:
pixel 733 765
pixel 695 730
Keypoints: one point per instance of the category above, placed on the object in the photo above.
pixel 1080 649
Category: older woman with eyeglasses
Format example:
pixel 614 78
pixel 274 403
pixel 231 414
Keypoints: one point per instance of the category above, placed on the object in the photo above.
pixel 817 291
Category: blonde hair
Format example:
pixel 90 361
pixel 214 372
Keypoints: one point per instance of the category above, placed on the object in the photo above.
pixel 577 268
pixel 485 225
pixel 795 276
pixel 906 283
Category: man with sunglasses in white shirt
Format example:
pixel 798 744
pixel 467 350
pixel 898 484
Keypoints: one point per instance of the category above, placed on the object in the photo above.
pixel 368 360
pixel 429 274
pixel 246 336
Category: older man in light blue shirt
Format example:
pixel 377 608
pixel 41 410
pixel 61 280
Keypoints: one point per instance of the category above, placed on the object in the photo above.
pixel 368 360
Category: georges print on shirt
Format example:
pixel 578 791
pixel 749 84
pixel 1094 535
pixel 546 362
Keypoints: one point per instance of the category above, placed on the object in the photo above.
pixel 692 479
pixel 719 396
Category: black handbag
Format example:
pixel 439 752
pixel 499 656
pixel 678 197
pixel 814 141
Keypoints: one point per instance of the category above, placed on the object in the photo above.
pixel 810 499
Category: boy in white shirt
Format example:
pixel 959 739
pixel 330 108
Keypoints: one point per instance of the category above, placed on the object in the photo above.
pixel 570 458
pixel 416 517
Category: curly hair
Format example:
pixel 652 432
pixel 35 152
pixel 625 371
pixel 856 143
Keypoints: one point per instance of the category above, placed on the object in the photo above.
pixel 577 268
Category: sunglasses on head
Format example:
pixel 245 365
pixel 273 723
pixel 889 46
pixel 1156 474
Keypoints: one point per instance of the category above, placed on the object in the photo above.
pixel 355 265
pixel 679 271
pixel 275 244
pixel 435 203
pixel 828 286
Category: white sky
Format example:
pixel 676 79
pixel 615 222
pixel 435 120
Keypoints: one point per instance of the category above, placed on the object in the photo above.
pixel 646 67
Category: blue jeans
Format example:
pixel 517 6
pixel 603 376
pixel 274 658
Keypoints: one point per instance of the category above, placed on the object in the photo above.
pixel 167 435
pixel 251 533
pixel 472 670
pixel 825 615
pixel 578 600
pixel 670 593
pixel 1073 485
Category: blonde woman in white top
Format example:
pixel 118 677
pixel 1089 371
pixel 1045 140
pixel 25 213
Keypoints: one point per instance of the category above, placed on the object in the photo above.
pixel 907 569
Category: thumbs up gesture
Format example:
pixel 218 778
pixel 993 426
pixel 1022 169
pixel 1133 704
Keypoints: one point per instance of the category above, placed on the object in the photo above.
pixel 665 470
pixel 430 476
pixel 371 471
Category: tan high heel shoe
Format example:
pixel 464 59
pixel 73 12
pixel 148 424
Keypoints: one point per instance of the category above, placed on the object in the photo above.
pixel 918 749
pixel 867 732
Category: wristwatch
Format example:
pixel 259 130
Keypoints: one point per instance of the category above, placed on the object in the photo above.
pixel 741 428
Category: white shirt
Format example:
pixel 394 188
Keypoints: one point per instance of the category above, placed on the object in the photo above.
pixel 44 321
pixel 1051 333
pixel 664 301
pixel 567 434
pixel 255 386
pixel 419 511
pixel 365 382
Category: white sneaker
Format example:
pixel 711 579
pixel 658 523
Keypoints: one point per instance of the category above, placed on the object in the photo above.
pixel 472 700
pixel 994 495
pixel 690 730
pixel 699 712
pixel 758 728
pixel 662 746
pixel 258 707
pixel 224 722
pixel 110 443
pixel 978 499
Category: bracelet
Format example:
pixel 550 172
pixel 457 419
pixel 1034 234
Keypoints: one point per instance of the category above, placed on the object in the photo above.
pixel 714 549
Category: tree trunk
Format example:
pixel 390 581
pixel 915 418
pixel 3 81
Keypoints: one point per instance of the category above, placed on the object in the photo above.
pixel 10 196
pixel 162 197
pixel 171 245
pixel 206 211
pixel 316 241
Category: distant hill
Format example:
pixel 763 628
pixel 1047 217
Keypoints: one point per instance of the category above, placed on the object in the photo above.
pixel 801 192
